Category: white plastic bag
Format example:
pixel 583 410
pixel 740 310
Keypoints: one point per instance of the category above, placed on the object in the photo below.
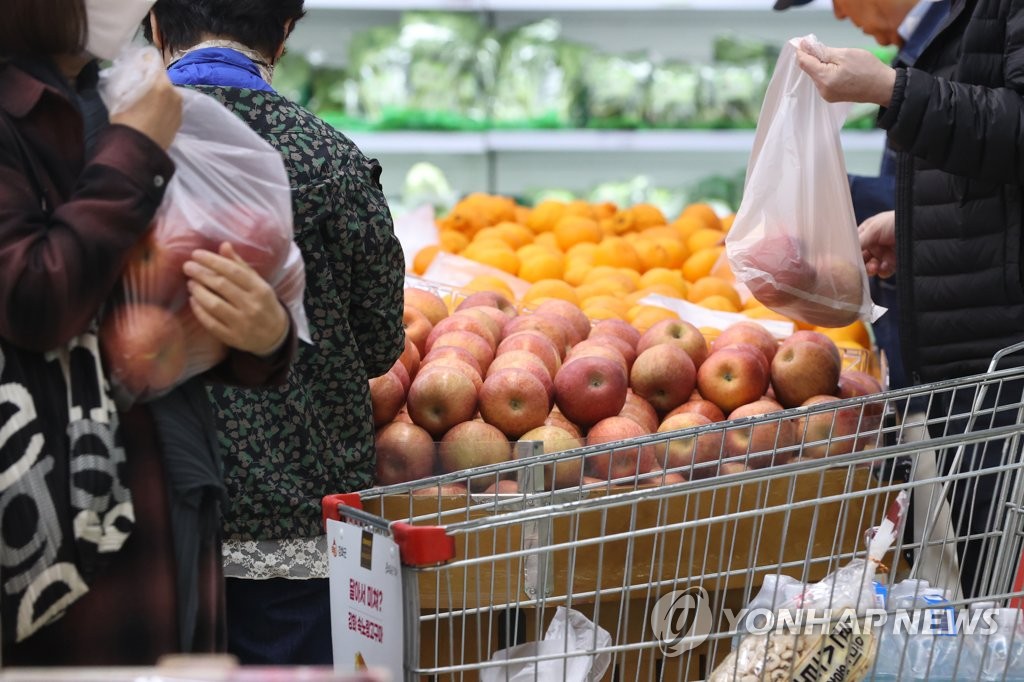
pixel 229 186
pixel 794 242
pixel 583 636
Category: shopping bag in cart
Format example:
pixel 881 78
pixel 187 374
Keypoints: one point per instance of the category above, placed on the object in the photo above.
pixel 794 242
pixel 229 186
pixel 836 646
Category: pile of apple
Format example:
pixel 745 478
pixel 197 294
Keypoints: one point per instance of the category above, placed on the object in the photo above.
pixel 472 383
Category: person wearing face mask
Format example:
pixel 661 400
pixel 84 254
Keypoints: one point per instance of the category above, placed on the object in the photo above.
pixel 109 547
pixel 953 242
pixel 911 25
pixel 287 448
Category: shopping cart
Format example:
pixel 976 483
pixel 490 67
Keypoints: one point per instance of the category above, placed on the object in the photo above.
pixel 643 578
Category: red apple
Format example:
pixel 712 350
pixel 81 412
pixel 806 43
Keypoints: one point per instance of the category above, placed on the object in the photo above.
pixel 473 444
pixel 701 407
pixel 828 433
pixel 488 299
pixel 405 452
pixel 854 384
pixel 778 269
pixel 410 357
pixel 461 323
pixel 590 389
pixel 387 396
pixel 399 370
pixel 204 349
pixel 493 326
pixel 640 411
pixel 802 370
pixel 440 399
pixel 754 350
pixel 428 303
pixel 678 332
pixel 759 442
pixel 619 462
pixel 627 351
pixel 672 479
pixel 535 343
pixel 818 338
pixel 747 332
pixel 556 329
pixel 153 272
pixel 520 359
pixel 556 418
pixel 732 377
pixel 698 453
pixel 446 490
pixel 257 241
pixel 664 376
pixel 499 318
pixel 842 283
pixel 476 345
pixel 455 353
pixel 566 472
pixel 578 323
pixel 145 348
pixel 729 468
pixel 619 328
pixel 417 328
pixel 454 363
pixel 597 348
pixel 514 400
pixel 503 487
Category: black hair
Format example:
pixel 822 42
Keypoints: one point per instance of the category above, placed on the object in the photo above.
pixel 40 28
pixel 257 24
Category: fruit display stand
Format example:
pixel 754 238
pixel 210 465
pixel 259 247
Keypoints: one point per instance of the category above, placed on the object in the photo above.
pixel 626 546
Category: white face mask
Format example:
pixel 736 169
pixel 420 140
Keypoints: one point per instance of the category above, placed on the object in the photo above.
pixel 113 24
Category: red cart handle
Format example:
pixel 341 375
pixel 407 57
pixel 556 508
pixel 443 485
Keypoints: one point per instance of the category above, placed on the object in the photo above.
pixel 330 506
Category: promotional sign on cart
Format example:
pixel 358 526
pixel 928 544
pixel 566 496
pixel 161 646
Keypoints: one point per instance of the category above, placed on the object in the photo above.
pixel 366 599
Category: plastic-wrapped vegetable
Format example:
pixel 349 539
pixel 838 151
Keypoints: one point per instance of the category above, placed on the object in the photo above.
pixel 673 98
pixel 615 90
pixel 539 78
pixel 731 95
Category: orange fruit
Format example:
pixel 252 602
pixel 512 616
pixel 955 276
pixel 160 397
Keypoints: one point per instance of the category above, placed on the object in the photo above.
pixel 705 214
pixel 621 223
pixel 514 234
pixel 529 250
pixel 713 286
pixel 760 312
pixel 647 215
pixel 549 241
pixel 653 254
pixel 704 239
pixel 630 275
pixel 424 257
pixel 643 317
pixel 616 252
pixel 597 313
pixel 466 220
pixel 582 252
pixel 545 216
pixel 659 289
pixel 662 231
pixel 579 207
pixel 453 241
pixel 572 230
pixel 684 227
pixel 522 215
pixel 493 209
pixel 616 304
pixel 540 266
pixel 718 302
pixel 503 259
pixel 551 288
pixel 856 333
pixel 701 263
pixel 665 277
pixel 576 272
pixel 491 283
pixel 604 210
pixel 727 222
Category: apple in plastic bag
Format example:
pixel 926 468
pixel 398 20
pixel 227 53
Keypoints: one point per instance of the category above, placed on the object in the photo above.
pixel 153 272
pixel 257 241
pixel 144 347
pixel 779 263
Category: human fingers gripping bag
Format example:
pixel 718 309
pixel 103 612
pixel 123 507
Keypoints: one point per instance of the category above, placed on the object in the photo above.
pixel 229 186
pixel 794 242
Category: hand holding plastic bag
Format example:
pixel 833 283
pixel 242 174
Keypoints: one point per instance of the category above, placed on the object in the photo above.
pixel 794 243
pixel 229 186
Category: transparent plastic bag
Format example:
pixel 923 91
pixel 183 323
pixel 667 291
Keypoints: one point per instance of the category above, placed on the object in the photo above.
pixel 794 243
pixel 820 634
pixel 229 186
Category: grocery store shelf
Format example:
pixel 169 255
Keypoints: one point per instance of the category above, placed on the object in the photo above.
pixel 552 5
pixel 581 141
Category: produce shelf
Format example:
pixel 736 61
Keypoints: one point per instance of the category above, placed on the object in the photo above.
pixel 553 5
pixel 581 141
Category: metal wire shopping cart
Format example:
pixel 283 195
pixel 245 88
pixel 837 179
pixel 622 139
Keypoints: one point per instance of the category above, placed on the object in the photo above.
pixel 656 572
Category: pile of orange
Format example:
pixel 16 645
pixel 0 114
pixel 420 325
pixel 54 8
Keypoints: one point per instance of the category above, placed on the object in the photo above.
pixel 603 258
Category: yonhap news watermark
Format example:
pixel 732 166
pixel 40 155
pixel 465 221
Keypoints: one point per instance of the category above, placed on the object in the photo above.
pixel 683 620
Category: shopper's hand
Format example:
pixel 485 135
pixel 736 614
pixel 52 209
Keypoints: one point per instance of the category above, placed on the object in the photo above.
pixel 234 303
pixel 878 243
pixel 844 75
pixel 157 114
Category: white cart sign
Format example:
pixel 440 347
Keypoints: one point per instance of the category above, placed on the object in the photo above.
pixel 366 600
